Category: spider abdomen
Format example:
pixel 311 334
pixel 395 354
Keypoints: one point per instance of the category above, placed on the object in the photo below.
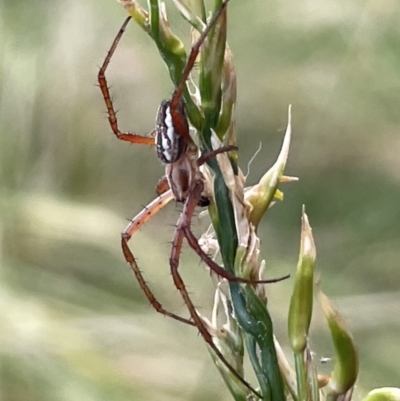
pixel 170 145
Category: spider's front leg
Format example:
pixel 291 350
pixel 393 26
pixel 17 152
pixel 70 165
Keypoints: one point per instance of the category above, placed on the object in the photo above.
pixel 194 242
pixel 220 271
pixel 112 115
pixel 146 214
pixel 190 204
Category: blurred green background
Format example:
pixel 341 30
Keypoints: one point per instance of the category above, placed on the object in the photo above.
pixel 74 325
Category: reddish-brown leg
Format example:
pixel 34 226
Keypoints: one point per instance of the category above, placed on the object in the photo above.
pixel 194 244
pixel 132 227
pixel 162 185
pixel 187 213
pixel 176 115
pixel 207 156
pixel 112 116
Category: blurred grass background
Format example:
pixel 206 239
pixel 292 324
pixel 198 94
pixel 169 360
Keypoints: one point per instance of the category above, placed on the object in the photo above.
pixel 74 325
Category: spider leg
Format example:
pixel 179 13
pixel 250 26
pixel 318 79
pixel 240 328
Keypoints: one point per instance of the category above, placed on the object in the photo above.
pixel 162 185
pixel 187 213
pixel 176 115
pixel 194 243
pixel 112 115
pixel 209 155
pixel 132 227
pixel 220 271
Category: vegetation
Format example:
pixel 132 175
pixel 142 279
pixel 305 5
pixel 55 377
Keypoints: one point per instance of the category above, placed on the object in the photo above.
pixel 76 327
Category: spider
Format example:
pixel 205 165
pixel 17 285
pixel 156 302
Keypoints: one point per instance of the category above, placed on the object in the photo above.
pixel 184 182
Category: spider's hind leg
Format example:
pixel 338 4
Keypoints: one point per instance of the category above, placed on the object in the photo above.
pixel 176 99
pixel 112 115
